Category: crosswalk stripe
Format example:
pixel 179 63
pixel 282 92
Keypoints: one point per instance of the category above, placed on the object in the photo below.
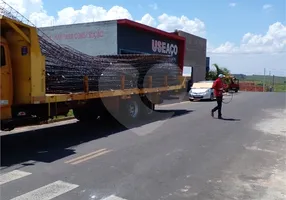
pixel 13 175
pixel 48 192
pixel 112 197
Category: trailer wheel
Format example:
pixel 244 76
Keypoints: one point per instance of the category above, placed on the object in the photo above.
pixel 84 114
pixel 130 110
pixel 78 114
pixel 147 108
pixel 133 109
pixel 7 126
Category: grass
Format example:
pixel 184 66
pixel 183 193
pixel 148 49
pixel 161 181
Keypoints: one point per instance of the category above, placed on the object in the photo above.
pixel 62 117
pixel 279 81
pixel 280 88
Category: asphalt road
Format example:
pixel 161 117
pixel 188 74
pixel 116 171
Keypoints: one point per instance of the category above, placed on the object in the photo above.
pixel 181 154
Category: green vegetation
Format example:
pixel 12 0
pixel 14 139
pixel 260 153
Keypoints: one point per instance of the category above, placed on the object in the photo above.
pixel 213 74
pixel 279 81
pixel 60 117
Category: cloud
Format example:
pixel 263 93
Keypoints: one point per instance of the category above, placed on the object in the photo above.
pixel 91 13
pixel 170 23
pixel 255 52
pixel 273 41
pixel 232 4
pixel 148 20
pixel 154 6
pixel 266 6
pixel 271 44
pixel 251 63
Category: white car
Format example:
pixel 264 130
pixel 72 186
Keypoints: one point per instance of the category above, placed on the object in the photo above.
pixel 202 90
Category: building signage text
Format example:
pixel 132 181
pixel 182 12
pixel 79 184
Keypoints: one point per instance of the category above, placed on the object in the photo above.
pixel 164 47
pixel 78 36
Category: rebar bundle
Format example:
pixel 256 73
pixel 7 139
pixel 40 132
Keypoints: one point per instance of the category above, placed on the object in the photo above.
pixel 67 67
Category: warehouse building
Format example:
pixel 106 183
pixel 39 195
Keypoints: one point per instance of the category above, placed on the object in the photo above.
pixel 126 36
pixel 195 55
pixel 118 37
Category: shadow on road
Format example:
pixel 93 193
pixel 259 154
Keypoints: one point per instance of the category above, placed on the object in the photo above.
pixel 231 119
pixel 50 144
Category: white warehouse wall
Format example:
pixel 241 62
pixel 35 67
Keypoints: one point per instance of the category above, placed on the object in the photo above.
pixel 95 38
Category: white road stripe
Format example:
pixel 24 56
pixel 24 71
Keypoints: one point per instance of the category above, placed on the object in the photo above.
pixel 172 104
pixel 48 192
pixel 112 197
pixel 148 128
pixel 13 175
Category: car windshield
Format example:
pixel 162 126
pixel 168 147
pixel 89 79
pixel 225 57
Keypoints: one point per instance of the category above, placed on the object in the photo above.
pixel 202 85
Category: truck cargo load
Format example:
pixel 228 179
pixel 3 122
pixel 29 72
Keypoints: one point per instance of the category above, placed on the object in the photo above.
pixel 41 79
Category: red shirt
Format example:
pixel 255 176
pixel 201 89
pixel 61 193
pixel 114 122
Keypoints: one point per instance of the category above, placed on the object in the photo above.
pixel 218 87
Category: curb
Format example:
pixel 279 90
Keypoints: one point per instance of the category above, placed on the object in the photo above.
pixel 172 104
pixel 59 120
pixel 69 118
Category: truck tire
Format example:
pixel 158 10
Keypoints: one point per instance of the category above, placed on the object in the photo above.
pixel 148 112
pixel 84 114
pixel 147 107
pixel 133 109
pixel 79 115
pixel 130 111
pixel 8 126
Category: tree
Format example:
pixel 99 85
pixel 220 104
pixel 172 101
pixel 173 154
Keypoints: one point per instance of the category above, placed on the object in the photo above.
pixel 213 74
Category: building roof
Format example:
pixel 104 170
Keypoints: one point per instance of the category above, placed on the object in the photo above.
pixel 137 25
pixel 178 32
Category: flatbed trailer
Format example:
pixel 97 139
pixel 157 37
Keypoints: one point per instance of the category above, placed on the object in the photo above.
pixel 24 100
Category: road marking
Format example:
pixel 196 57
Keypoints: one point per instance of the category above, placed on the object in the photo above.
pixel 38 127
pixel 13 175
pixel 91 157
pixel 83 156
pixel 48 192
pixel 173 104
pixel 150 128
pixel 88 156
pixel 255 148
pixel 112 197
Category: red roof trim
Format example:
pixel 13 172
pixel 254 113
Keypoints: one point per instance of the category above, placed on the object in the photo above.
pixel 149 28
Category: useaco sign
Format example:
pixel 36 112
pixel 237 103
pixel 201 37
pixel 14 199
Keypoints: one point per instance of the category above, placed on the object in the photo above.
pixel 164 47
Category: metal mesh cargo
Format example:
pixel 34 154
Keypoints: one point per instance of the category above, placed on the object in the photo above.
pixel 67 67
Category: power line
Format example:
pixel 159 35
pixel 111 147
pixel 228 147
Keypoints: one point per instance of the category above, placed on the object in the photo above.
pixel 247 53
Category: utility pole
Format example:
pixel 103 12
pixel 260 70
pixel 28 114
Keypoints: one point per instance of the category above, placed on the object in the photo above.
pixel 284 83
pixel 268 86
pixel 273 82
pixel 269 78
pixel 264 80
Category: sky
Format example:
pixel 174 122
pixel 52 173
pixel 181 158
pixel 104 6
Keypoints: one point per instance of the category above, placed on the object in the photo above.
pixel 246 36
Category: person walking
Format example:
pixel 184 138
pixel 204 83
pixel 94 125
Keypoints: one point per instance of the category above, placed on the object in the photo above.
pixel 218 92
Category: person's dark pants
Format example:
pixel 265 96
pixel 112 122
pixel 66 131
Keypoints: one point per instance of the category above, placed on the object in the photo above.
pixel 219 105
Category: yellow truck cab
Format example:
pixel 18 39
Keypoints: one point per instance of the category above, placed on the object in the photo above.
pixel 6 88
pixel 22 69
